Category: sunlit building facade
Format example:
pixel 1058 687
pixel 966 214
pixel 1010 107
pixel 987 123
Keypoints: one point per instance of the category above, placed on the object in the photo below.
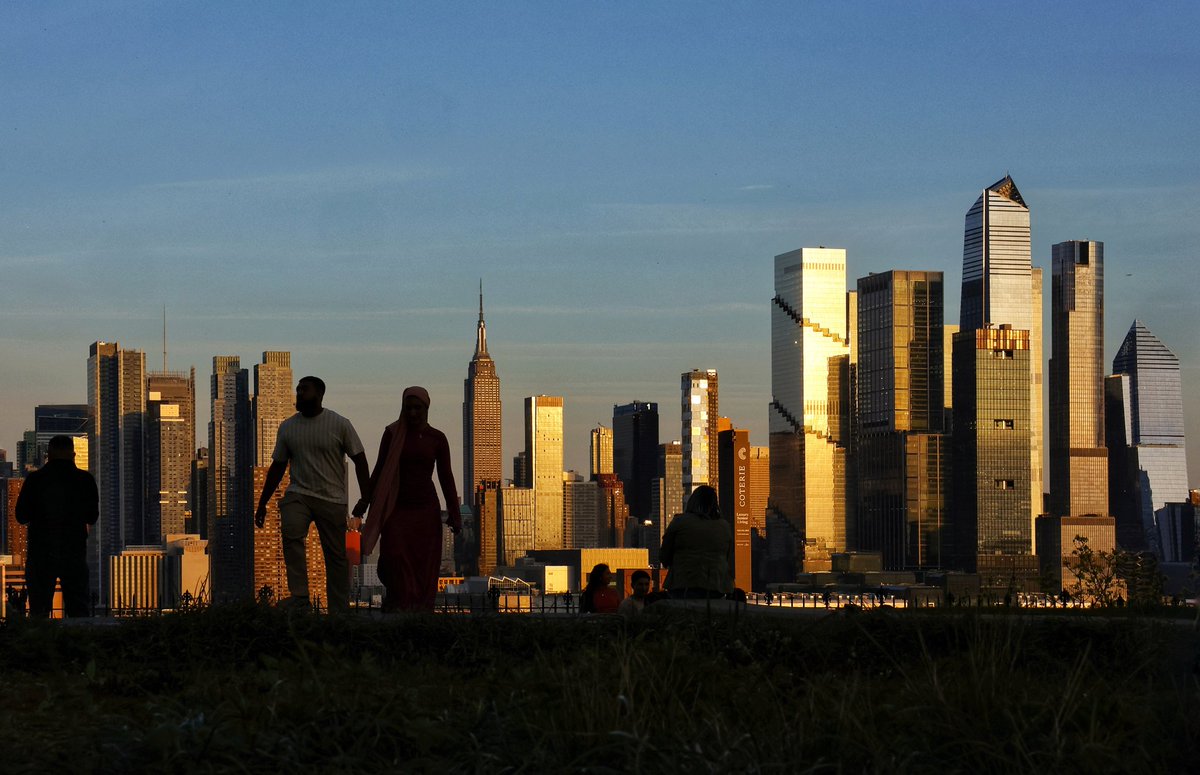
pixel 1078 455
pixel 544 455
pixel 170 450
pixel 600 450
pixel 516 507
pixel 274 401
pixel 699 412
pixel 809 331
pixel 899 451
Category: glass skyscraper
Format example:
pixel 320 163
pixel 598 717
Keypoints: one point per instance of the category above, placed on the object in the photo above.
pixel 808 332
pixel 1146 435
pixel 899 450
pixel 635 452
pixel 1078 456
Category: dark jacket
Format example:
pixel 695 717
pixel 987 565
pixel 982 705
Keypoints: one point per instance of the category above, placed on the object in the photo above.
pixel 57 502
pixel 699 553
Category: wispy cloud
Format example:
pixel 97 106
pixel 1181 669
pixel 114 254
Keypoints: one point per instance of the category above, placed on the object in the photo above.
pixel 757 187
pixel 305 181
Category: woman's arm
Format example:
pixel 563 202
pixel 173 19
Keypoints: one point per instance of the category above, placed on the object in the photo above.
pixel 446 479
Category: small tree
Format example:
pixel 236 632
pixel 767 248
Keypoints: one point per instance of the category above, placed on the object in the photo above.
pixel 1095 574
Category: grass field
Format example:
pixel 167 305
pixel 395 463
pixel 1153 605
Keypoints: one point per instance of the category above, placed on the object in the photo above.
pixel 254 690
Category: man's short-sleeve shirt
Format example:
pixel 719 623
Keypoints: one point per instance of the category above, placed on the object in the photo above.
pixel 317 448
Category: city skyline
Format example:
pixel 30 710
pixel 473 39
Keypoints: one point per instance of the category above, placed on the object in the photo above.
pixel 281 194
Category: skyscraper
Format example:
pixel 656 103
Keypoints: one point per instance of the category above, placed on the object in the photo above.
pixel 601 451
pixel 635 452
pixel 667 498
pixel 481 420
pixel 1078 455
pixel 990 528
pixel 997 263
pixel 117 412
pixel 230 442
pixel 1001 287
pixel 734 459
pixel 699 414
pixel 274 401
pixel 808 329
pixel 170 449
pixel 1145 397
pixel 544 455
pixel 899 452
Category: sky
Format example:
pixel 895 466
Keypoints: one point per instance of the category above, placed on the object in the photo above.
pixel 335 179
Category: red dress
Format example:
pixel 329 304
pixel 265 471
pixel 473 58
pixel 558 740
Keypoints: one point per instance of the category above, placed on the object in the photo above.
pixel 410 544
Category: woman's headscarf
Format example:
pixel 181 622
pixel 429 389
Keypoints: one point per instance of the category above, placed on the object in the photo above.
pixel 387 487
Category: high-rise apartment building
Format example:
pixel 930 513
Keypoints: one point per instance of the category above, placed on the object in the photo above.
pixel 733 451
pixel 481 418
pixel 898 449
pixel 544 455
pixel 808 465
pixel 274 401
pixel 700 415
pixel 600 451
pixel 230 445
pixel 990 528
pixel 170 449
pixel 614 511
pixel 116 382
pixel 666 500
pixel 635 451
pixel 1148 457
pixel 1078 455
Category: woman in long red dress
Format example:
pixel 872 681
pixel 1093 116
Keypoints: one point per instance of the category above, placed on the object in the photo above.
pixel 405 516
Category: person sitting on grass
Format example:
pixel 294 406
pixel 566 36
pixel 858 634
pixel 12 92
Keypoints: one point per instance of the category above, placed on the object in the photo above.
pixel 698 549
pixel 636 602
pixel 598 596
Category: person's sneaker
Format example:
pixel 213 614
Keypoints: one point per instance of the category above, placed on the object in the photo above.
pixel 294 604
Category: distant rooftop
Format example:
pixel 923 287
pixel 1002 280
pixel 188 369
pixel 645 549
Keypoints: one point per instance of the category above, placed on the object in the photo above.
pixel 1006 188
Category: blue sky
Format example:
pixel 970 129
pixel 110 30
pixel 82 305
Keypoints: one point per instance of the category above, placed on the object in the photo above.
pixel 334 179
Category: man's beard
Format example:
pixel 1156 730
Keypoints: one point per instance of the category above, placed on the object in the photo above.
pixel 306 407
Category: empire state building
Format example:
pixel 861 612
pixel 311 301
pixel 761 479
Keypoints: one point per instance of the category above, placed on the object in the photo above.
pixel 481 418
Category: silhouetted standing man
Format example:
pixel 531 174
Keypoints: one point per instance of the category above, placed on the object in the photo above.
pixel 315 442
pixel 59 503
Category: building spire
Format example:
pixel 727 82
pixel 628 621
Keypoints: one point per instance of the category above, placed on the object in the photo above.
pixel 481 331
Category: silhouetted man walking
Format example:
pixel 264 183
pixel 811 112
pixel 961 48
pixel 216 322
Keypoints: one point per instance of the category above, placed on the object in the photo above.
pixel 315 442
pixel 58 502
